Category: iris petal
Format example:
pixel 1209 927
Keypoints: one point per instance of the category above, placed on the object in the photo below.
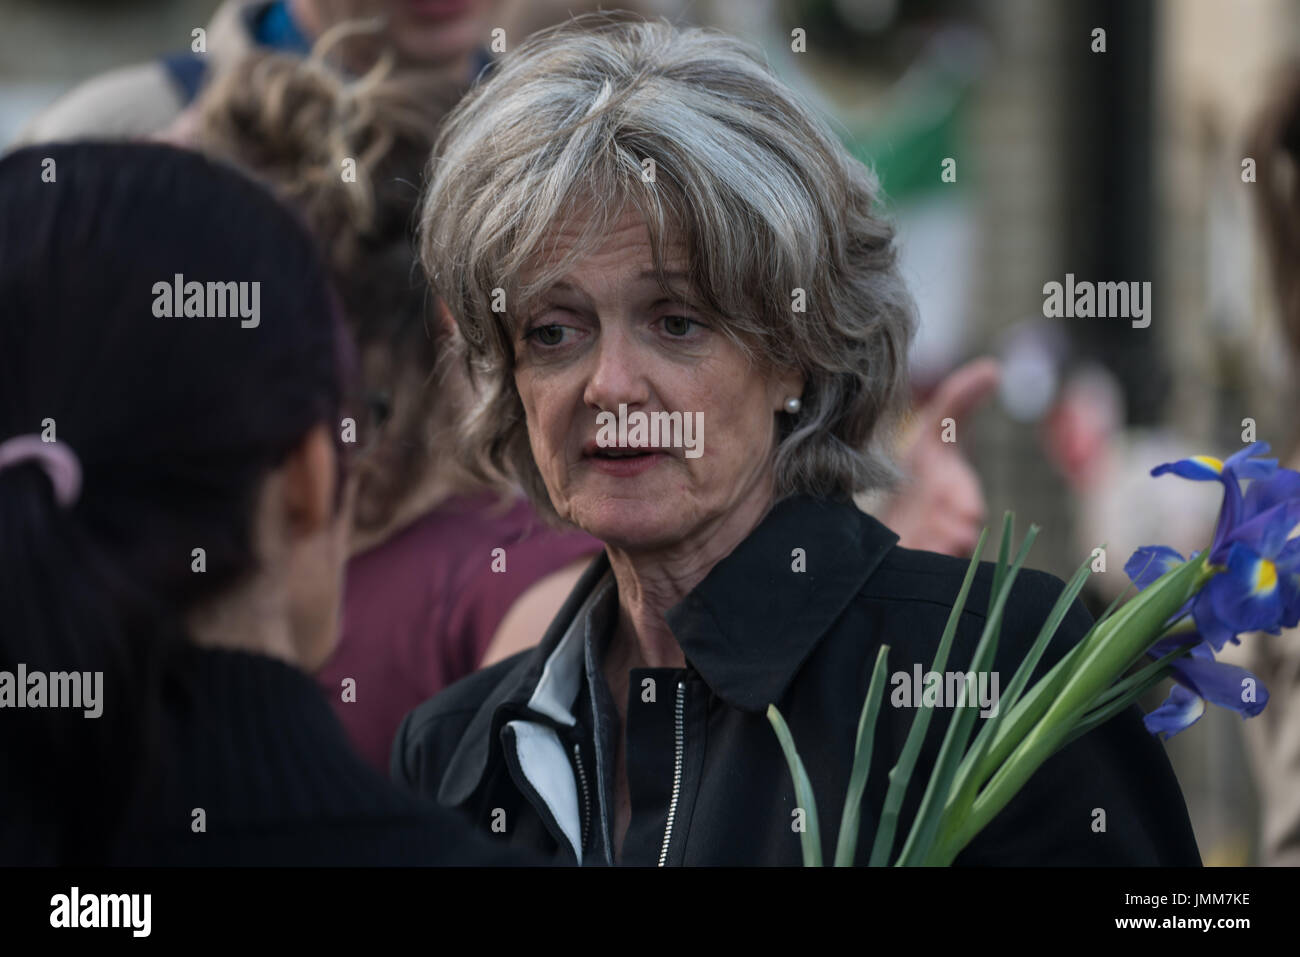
pixel 1244 464
pixel 1208 622
pixel 1266 532
pixel 1222 684
pixel 1263 494
pixel 1150 562
pixel 1202 468
pixel 1180 711
pixel 1236 599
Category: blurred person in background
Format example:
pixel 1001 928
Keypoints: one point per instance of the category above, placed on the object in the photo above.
pixel 173 514
pixel 1273 737
pixel 444 39
pixel 445 573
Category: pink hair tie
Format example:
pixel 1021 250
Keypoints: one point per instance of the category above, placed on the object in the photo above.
pixel 57 459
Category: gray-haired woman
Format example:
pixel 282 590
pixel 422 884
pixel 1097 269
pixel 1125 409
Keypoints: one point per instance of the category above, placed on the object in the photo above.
pixel 647 241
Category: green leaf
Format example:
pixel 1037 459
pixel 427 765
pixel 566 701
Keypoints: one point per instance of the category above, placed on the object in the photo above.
pixel 928 817
pixel 1004 554
pixel 810 839
pixel 848 839
pixel 901 774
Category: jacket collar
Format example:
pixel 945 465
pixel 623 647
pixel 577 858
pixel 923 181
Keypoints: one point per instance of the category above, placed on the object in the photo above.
pixel 747 628
pixel 541 687
pixel 754 620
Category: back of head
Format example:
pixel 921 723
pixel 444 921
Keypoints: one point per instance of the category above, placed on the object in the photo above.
pixel 170 325
pixel 347 155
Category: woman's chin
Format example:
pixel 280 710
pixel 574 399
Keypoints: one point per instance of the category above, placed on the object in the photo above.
pixel 632 524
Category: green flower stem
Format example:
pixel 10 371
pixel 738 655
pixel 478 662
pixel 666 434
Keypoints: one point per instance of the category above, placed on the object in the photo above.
pixel 1107 655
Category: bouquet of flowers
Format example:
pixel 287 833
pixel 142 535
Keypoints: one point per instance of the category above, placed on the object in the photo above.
pixel 1185 611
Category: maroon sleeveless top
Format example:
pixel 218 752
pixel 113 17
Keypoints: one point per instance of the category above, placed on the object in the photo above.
pixel 420 609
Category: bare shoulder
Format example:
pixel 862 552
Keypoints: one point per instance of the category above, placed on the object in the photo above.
pixel 525 623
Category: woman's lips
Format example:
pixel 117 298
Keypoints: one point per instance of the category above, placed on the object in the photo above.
pixel 628 466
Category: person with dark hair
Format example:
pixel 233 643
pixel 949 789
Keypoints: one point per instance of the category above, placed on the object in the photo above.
pixel 173 510
pixel 444 572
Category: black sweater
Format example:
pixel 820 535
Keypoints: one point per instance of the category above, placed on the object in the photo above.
pixel 251 742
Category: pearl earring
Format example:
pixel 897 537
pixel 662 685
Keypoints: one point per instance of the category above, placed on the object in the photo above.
pixel 793 404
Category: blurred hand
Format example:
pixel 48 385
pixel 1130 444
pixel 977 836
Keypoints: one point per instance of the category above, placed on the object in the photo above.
pixel 940 506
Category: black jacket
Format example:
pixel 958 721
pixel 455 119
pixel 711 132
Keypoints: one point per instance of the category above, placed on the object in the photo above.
pixel 525 748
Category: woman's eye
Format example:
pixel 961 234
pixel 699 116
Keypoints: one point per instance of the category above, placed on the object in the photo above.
pixel 551 335
pixel 678 325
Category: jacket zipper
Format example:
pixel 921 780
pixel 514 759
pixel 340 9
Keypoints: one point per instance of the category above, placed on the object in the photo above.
pixel 680 738
pixel 586 794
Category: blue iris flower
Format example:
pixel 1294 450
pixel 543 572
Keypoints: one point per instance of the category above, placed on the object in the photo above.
pixel 1230 472
pixel 1197 675
pixel 1256 589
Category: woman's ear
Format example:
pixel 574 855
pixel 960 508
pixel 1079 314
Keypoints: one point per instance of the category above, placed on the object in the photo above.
pixel 446 322
pixel 785 384
pixel 308 483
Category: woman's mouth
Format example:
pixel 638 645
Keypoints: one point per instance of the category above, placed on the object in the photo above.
pixel 624 463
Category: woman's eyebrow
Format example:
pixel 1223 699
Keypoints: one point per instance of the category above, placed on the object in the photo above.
pixel 676 283
pixel 560 289
pixel 652 274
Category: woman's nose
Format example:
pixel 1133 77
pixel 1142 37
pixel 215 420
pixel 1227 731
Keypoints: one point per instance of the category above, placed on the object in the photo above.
pixel 618 376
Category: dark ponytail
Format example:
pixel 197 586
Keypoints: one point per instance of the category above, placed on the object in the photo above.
pixel 175 422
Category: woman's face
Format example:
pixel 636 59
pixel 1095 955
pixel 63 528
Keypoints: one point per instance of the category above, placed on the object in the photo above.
pixel 606 336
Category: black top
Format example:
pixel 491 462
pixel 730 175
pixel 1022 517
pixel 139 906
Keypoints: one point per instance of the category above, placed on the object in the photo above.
pixel 250 742
pixel 531 736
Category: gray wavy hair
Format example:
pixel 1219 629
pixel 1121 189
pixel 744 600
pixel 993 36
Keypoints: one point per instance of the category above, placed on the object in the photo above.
pixel 763 197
